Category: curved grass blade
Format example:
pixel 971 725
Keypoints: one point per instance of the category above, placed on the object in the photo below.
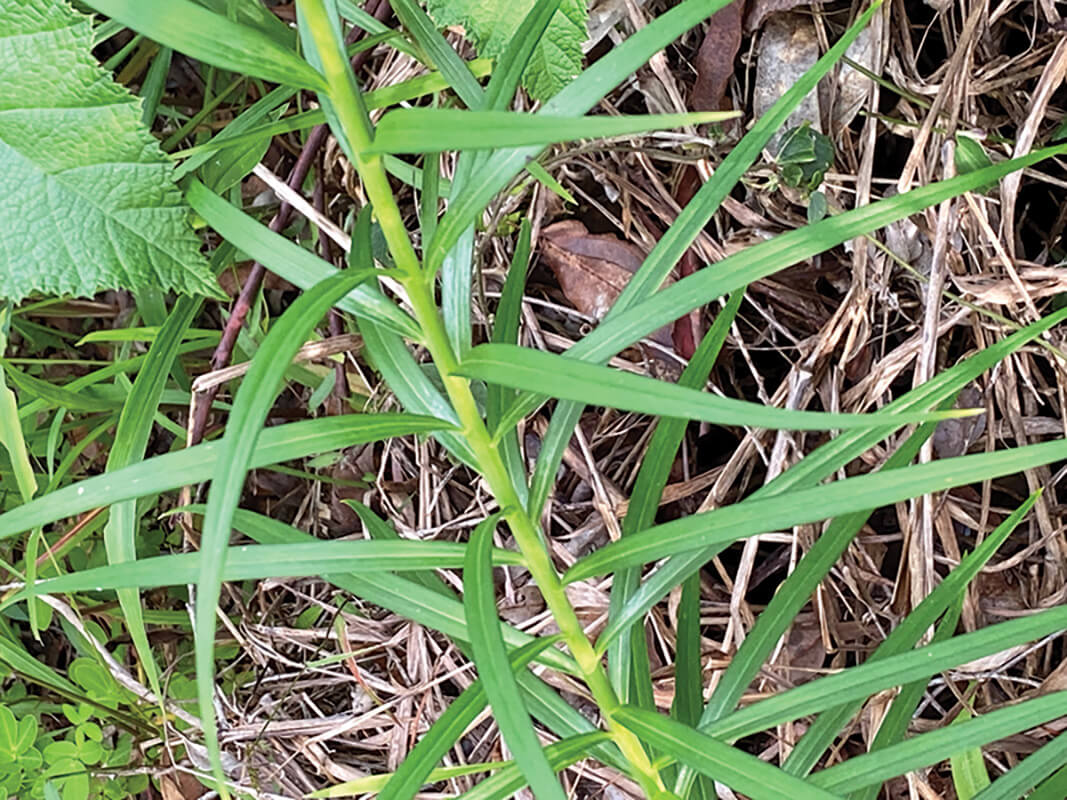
pixel 461 713
pixel 253 402
pixel 542 701
pixel 535 370
pixel 969 774
pixel 511 65
pixel 759 261
pixel 823 462
pixel 820 735
pixel 506 331
pixel 862 681
pixel 560 755
pixel 1035 768
pixel 128 447
pixel 810 505
pixel 725 764
pixel 210 37
pixel 929 748
pixel 491 660
pixel 431 130
pixel 291 261
pixel 458 264
pixel 197 464
pixel 247 562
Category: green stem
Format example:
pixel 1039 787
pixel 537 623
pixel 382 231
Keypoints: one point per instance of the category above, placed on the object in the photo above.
pixel 419 286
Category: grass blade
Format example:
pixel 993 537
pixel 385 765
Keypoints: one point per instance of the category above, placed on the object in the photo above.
pixel 250 408
pixel 128 447
pixel 628 659
pixel 491 659
pixel 753 263
pixel 210 37
pixel 431 130
pixel 810 505
pixel 453 68
pixel 197 464
pixel 1037 766
pixel 577 98
pixel 267 561
pixel 930 748
pixel 730 766
pixel 968 770
pixel 862 681
pixel 408 598
pixel 683 232
pixel 822 732
pixel 535 370
pixel 510 66
pixel 560 755
pixel 795 591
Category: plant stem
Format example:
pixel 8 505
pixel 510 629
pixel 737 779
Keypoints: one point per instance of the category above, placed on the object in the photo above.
pixel 419 286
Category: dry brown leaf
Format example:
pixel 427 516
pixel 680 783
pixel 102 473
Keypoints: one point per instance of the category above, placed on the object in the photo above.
pixel 714 60
pixel 592 268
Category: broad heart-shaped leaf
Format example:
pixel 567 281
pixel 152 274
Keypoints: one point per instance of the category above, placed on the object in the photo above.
pixel 85 191
pixel 490 25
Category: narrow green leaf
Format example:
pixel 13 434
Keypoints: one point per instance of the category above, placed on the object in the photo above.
pixel 250 408
pixel 766 258
pixel 876 676
pixel 128 447
pixel 681 235
pixel 725 764
pixel 810 505
pixel 896 721
pixel 795 591
pixel 969 774
pixel 452 67
pixel 628 658
pixel 197 464
pixel 575 99
pixel 11 437
pixel 517 54
pixel 1036 767
pixel 822 732
pixel 537 371
pixel 971 156
pixel 210 37
pixel 396 593
pixel 248 562
pixel 491 659
pixel 930 748
pixel 431 130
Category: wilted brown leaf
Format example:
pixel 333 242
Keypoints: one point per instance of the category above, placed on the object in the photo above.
pixel 714 60
pixel 592 268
